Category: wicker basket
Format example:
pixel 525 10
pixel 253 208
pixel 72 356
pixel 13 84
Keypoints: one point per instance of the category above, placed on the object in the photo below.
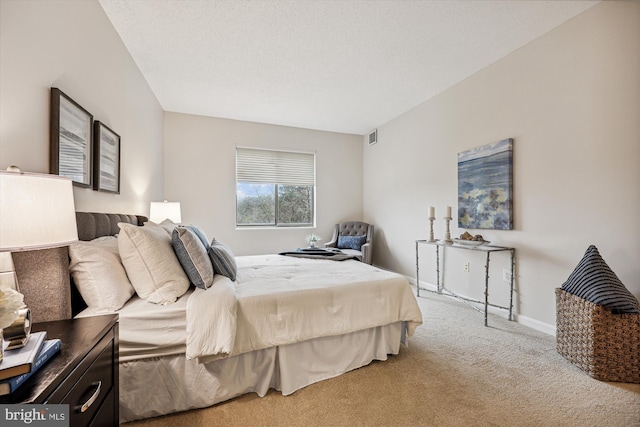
pixel 604 345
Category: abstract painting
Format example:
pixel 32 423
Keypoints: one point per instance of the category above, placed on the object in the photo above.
pixel 70 139
pixel 106 159
pixel 485 186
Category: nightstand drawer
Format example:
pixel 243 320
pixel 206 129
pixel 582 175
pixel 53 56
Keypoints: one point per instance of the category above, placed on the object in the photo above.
pixel 88 393
pixel 88 357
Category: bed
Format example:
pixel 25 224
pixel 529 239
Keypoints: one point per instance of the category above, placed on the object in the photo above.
pixel 283 323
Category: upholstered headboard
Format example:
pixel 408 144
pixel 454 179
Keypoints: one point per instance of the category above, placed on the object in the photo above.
pixel 43 276
pixel 92 225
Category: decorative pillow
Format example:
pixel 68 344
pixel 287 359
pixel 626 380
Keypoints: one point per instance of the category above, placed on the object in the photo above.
pixel 351 242
pixel 200 234
pixel 193 256
pixel 151 263
pixel 99 275
pixel 167 225
pixel 595 282
pixel 223 260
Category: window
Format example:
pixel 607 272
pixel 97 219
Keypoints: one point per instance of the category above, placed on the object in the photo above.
pixel 274 188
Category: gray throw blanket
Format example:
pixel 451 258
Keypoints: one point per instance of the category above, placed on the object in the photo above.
pixel 317 253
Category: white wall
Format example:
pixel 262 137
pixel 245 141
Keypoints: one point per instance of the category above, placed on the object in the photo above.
pixel 571 101
pixel 199 172
pixel 73 46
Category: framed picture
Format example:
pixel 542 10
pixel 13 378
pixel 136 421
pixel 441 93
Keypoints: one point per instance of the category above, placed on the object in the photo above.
pixel 71 132
pixel 106 160
pixel 485 186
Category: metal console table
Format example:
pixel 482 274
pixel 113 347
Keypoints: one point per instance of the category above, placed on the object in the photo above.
pixel 440 288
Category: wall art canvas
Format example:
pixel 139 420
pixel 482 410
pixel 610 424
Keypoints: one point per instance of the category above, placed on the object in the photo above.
pixel 106 161
pixel 485 186
pixel 70 139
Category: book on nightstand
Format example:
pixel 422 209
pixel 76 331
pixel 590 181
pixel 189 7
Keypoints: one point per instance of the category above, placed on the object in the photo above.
pixel 20 360
pixel 48 350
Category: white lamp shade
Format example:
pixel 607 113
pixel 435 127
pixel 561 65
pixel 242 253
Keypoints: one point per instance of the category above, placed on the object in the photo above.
pixel 36 211
pixel 159 211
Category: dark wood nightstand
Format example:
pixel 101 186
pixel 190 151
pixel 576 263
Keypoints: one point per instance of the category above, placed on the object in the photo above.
pixel 84 374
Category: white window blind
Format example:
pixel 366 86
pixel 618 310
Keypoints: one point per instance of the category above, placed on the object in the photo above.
pixel 275 167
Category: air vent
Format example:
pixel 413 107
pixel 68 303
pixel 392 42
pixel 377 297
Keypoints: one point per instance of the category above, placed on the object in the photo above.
pixel 373 136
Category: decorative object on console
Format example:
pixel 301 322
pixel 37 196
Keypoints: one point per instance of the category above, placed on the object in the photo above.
pixel 485 186
pixel 159 211
pixel 71 132
pixel 447 229
pixel 312 239
pixel 467 239
pixel 106 159
pixel 432 217
pixel 36 212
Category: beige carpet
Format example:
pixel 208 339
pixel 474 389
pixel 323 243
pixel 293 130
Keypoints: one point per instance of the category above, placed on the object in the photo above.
pixel 455 372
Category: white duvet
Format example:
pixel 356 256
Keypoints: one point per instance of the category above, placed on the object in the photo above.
pixel 278 300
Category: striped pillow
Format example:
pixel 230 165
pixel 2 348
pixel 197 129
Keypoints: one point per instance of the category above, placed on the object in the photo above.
pixel 193 257
pixel 222 259
pixel 594 281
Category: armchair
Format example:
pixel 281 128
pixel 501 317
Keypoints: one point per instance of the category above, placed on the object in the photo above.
pixel 353 238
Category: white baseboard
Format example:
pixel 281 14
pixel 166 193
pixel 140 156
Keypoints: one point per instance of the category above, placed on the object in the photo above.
pixel 536 324
pixel 523 320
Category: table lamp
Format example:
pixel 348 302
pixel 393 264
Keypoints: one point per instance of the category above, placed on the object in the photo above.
pixel 159 211
pixel 36 212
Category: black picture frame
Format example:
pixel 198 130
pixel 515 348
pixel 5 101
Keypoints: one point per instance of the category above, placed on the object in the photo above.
pixel 106 159
pixel 71 132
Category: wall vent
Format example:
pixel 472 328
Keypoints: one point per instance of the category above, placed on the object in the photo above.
pixel 373 136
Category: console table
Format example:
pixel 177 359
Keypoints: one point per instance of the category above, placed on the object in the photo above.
pixel 440 288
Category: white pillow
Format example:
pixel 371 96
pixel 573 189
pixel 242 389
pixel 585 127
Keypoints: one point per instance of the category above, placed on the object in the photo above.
pixel 151 263
pixel 99 274
pixel 167 225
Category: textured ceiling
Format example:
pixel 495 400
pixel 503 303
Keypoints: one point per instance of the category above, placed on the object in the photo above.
pixel 343 66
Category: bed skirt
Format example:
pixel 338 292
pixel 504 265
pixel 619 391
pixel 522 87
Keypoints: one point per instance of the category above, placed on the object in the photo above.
pixel 163 385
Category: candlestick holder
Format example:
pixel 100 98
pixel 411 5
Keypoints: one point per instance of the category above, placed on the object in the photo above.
pixel 447 232
pixel 431 238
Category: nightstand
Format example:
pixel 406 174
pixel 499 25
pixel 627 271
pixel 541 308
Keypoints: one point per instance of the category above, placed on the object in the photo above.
pixel 84 374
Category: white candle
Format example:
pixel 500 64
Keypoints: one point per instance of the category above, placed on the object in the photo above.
pixel 448 215
pixel 432 212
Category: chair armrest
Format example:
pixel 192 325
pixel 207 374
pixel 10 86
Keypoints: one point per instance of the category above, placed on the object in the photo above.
pixel 367 253
pixel 331 244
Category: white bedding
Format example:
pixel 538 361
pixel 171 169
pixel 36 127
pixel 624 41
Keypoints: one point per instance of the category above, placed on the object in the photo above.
pixel 178 383
pixel 276 300
pixel 150 330
pixel 279 300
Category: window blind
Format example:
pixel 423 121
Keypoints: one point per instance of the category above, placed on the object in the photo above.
pixel 275 167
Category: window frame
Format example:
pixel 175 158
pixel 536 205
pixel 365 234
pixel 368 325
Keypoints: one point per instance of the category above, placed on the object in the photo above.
pixel 276 201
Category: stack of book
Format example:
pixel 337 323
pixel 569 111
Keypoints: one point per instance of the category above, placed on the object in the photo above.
pixel 19 364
